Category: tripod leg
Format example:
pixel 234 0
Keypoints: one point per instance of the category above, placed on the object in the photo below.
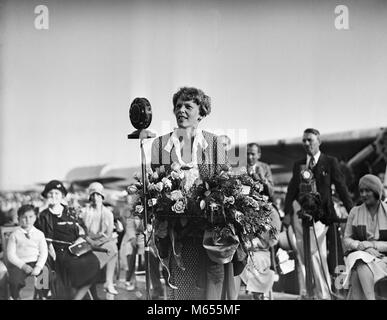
pixel 307 259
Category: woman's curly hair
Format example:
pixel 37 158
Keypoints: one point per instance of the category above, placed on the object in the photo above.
pixel 197 96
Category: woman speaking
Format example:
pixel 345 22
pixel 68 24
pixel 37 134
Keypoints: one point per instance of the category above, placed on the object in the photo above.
pixel 200 155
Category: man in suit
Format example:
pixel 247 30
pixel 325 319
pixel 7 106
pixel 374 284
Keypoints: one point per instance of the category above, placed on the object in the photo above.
pixel 258 169
pixel 325 172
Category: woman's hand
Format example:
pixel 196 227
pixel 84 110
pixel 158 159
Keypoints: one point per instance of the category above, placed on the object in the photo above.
pixel 92 242
pixel 374 252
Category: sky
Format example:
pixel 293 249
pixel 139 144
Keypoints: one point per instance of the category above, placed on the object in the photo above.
pixel 271 68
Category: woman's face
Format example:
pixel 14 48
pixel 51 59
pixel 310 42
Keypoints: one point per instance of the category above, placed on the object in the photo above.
pixel 367 196
pixel 54 197
pixel 96 198
pixel 187 114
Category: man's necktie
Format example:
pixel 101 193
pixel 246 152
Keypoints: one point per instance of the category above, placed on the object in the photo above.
pixel 311 163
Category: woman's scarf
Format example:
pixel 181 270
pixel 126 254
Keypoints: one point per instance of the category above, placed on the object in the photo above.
pixel 361 229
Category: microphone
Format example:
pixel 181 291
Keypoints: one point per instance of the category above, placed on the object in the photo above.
pixel 140 115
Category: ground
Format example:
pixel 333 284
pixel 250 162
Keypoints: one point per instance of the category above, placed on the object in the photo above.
pixel 139 293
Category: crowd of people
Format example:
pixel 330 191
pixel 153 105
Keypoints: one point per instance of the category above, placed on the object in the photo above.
pixel 75 239
pixel 44 225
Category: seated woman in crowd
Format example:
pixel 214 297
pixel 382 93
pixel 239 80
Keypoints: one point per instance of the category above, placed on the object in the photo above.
pixel 76 274
pixel 99 224
pixel 257 275
pixel 365 240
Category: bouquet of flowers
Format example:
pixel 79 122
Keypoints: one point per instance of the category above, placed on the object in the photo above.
pixel 225 198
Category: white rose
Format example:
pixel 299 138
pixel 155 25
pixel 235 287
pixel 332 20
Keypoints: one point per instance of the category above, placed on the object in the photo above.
pixel 139 208
pixel 159 186
pixel 175 166
pixel 179 206
pixel 177 174
pixel 132 189
pixel 176 195
pixel 167 183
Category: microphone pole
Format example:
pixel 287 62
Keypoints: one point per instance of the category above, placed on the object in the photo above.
pixel 142 135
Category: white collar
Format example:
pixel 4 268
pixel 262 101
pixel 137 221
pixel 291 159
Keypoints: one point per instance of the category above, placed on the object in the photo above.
pixel 25 231
pixel 252 167
pixel 316 157
pixel 199 140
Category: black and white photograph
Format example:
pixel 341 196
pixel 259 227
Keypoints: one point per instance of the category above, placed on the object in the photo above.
pixel 210 151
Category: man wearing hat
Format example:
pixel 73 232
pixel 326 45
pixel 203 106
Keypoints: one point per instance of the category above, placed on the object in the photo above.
pixel 314 175
pixel 99 223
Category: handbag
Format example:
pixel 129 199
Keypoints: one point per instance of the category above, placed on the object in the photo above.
pixel 80 248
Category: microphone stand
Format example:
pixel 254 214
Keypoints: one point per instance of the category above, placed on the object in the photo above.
pixel 142 135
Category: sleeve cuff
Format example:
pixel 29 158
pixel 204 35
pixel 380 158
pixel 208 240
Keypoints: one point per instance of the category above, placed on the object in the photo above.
pixel 19 264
